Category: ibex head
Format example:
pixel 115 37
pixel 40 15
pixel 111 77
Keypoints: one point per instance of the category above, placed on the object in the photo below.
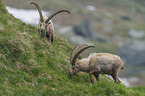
pixel 75 64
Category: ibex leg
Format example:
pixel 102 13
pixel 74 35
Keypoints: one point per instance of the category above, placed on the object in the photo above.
pixel 97 77
pixel 91 78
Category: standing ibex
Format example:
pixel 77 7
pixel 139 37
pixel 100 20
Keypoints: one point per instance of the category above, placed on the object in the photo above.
pixel 96 63
pixel 45 25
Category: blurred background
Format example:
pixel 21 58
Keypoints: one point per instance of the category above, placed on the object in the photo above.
pixel 113 26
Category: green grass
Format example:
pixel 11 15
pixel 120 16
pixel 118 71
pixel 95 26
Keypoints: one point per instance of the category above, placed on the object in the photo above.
pixel 31 66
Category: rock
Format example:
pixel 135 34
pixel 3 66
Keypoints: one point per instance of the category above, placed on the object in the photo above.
pixel 117 39
pixel 124 81
pixel 107 21
pixel 109 15
pixel 97 17
pixel 85 29
pixel 107 29
pixel 91 8
pixel 127 18
pixel 79 40
pixel 133 52
pixel 136 34
pixel 67 30
pixel 133 79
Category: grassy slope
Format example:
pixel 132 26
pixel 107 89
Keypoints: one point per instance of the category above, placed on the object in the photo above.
pixel 29 65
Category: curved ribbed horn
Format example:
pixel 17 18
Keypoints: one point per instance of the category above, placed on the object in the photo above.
pixel 78 53
pixel 74 51
pixel 51 16
pixel 39 10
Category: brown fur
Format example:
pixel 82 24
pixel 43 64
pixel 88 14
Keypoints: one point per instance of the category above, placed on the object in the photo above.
pixel 99 63
pixel 48 31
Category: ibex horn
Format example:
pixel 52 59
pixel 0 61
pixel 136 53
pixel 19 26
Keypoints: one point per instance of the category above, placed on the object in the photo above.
pixel 39 10
pixel 51 16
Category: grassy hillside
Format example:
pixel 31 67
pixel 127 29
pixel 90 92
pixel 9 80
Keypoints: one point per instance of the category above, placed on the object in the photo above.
pixel 31 66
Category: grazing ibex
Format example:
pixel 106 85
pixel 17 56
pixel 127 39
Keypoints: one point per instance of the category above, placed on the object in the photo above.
pixel 96 63
pixel 45 25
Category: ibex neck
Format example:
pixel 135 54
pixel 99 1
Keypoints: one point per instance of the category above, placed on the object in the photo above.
pixel 83 65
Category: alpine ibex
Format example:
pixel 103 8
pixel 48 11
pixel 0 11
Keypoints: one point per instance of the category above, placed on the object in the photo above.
pixel 45 25
pixel 96 63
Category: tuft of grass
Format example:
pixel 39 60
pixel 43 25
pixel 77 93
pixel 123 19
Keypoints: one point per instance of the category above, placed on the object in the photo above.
pixel 30 65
